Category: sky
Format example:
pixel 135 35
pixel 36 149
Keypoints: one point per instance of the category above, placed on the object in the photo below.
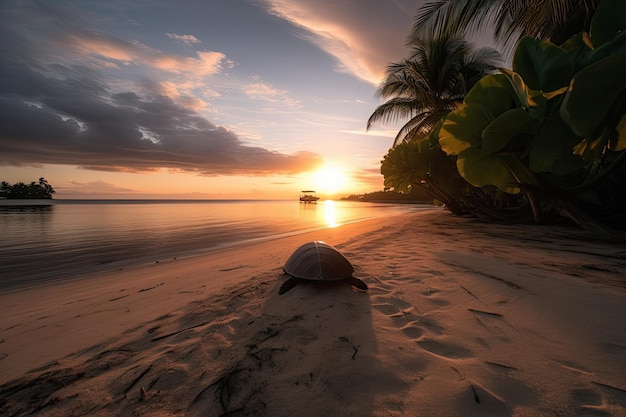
pixel 197 98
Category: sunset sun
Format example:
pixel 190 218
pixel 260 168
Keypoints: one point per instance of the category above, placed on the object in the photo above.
pixel 330 180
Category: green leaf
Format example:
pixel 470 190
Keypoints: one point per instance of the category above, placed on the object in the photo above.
pixel 553 150
pixel 399 171
pixel 494 93
pixel 543 65
pixel 526 97
pixel 463 128
pixel 608 20
pixel 518 169
pixel 578 46
pixel 621 135
pixel 479 170
pixel 592 92
pixel 616 45
pixel 510 124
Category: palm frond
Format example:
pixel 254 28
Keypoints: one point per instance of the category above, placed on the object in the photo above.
pixel 392 111
pixel 556 20
pixel 429 13
pixel 430 83
pixel 419 128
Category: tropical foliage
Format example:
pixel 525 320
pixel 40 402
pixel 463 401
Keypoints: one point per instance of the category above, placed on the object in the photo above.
pixel 554 20
pixel 20 190
pixel 553 128
pixel 431 82
pixel 423 88
pixel 543 140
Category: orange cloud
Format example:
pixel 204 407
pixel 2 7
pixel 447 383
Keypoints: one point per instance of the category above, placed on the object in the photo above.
pixel 363 36
pixel 205 63
pixel 262 91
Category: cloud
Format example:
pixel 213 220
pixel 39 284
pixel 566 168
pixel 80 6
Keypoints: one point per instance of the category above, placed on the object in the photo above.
pixel 370 177
pixel 96 187
pixel 110 48
pixel 186 39
pixel 64 113
pixel 364 36
pixel 76 121
pixel 180 95
pixel 260 90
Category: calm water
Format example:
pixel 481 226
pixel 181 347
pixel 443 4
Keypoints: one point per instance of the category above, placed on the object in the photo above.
pixel 71 238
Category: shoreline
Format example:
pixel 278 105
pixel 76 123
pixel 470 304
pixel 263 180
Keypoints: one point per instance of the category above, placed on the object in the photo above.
pixel 529 320
pixel 185 284
pixel 104 269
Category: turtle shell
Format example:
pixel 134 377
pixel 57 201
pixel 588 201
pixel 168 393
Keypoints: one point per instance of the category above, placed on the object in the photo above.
pixel 318 261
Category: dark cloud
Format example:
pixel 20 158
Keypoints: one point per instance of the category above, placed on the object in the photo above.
pixel 61 113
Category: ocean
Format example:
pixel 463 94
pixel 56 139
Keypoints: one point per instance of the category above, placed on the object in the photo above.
pixel 73 238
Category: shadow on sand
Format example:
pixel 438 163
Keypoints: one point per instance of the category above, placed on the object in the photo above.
pixel 246 351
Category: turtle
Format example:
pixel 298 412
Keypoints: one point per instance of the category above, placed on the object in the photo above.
pixel 318 261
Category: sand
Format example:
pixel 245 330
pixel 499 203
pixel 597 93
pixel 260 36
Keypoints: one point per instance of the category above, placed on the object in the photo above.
pixel 462 318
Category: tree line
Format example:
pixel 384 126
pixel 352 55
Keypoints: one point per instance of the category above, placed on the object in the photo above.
pixel 21 190
pixel 542 141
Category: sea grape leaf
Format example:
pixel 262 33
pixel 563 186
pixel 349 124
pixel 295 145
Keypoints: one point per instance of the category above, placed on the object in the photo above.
pixel 553 149
pixel 481 169
pixel 578 47
pixel 510 124
pixel 518 169
pixel 543 65
pixel 616 45
pixel 525 97
pixel 592 92
pixel 620 144
pixel 493 92
pixel 608 20
pixel 463 128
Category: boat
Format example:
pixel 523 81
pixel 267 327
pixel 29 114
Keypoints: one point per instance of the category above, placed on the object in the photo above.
pixel 308 196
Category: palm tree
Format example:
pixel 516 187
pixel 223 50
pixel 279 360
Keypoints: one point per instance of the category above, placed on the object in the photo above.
pixel 554 20
pixel 46 189
pixel 430 83
pixel 423 88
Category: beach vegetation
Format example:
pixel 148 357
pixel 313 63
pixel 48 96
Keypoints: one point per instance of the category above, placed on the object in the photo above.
pixel 543 140
pixel 511 20
pixel 431 82
pixel 551 128
pixel 416 195
pixel 35 190
pixel 423 88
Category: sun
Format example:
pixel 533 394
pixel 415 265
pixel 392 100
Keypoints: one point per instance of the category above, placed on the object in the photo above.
pixel 330 180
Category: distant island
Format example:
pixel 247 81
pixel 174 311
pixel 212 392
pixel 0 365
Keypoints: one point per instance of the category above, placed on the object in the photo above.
pixel 20 191
pixel 416 196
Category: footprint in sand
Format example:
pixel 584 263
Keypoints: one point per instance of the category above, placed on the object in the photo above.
pixel 415 330
pixel 392 306
pixel 444 349
pixel 588 400
pixel 432 297
pixel 412 330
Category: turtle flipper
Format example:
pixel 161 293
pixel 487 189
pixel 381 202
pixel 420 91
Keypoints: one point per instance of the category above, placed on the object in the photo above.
pixel 287 285
pixel 357 283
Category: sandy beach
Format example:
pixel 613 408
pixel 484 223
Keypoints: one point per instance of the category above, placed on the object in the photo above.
pixel 461 318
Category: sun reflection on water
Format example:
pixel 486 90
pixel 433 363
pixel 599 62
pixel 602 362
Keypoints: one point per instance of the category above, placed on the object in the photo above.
pixel 330 215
